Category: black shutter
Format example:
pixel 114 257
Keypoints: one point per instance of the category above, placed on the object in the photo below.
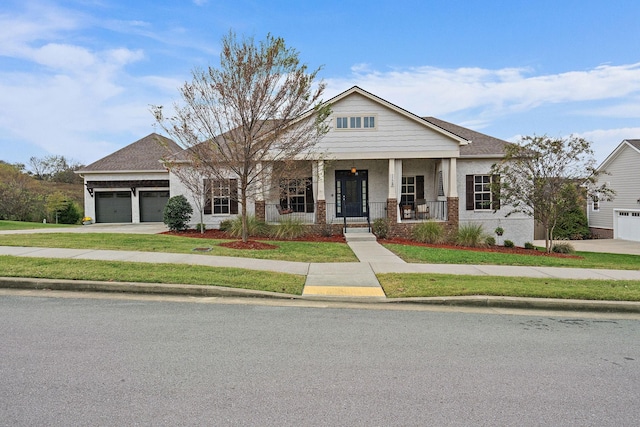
pixel 207 196
pixel 495 191
pixel 420 187
pixel 309 196
pixel 233 196
pixel 470 198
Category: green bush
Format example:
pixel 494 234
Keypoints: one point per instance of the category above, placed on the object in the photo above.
pixel 529 245
pixel 563 248
pixel 177 213
pixel 201 227
pixel 70 213
pixel 429 232
pixel 254 227
pixel 226 225
pixel 508 244
pixel 471 235
pixel 380 228
pixel 573 225
pixel 490 241
pixel 289 228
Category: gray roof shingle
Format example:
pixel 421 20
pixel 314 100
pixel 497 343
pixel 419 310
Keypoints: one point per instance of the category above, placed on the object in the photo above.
pixel 481 145
pixel 142 155
pixel 634 142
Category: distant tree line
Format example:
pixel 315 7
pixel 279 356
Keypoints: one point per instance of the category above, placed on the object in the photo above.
pixel 50 191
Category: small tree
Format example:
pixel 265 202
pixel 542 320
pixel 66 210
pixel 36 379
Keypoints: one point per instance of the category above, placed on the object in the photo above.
pixel 177 213
pixel 535 174
pixel 260 105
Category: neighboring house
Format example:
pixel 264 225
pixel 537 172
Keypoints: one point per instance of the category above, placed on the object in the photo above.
pixel 619 218
pixel 130 185
pixel 378 161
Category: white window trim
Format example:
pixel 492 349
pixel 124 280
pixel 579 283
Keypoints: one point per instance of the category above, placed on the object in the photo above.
pixel 221 184
pixel 490 201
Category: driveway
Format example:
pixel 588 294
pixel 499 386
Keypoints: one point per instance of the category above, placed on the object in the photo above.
pixel 139 228
pixel 613 246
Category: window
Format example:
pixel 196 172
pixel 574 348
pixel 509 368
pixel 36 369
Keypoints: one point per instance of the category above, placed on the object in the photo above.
pixel 481 194
pixel 221 197
pixel 408 196
pixel 356 122
pixel 296 195
pixel 596 203
pixel 369 122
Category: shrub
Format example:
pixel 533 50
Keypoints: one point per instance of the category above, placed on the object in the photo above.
pixel 563 248
pixel 490 241
pixel 428 232
pixel 572 225
pixel 69 213
pixel 226 225
pixel 508 244
pixel 380 228
pixel 470 235
pixel 254 227
pixel 529 245
pixel 177 213
pixel 326 230
pixel 201 227
pixel 289 228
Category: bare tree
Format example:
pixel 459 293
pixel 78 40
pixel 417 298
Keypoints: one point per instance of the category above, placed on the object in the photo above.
pixel 260 105
pixel 536 172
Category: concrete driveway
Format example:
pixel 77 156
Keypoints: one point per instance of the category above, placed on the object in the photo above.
pixel 613 246
pixel 139 228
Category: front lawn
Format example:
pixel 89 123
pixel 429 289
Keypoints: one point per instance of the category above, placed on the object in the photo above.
pixel 440 285
pixel 286 250
pixel 112 271
pixel 21 225
pixel 435 255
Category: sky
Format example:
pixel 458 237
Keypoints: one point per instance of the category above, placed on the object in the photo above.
pixel 78 77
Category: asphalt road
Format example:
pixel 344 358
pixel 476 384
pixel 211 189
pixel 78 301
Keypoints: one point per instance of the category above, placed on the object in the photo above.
pixel 72 361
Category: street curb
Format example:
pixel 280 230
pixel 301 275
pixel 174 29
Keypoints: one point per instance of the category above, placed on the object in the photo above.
pixel 221 291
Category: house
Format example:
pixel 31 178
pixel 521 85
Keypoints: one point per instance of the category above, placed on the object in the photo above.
pixel 619 218
pixel 376 161
pixel 130 185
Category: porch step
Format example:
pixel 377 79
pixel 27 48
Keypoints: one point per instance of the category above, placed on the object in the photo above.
pixel 359 235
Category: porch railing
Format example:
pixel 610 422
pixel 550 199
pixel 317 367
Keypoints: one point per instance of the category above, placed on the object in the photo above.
pixel 430 210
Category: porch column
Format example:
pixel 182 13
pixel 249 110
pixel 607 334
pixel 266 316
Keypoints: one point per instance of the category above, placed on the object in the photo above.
pixel 392 194
pixel 318 173
pixel 260 205
pixel 453 208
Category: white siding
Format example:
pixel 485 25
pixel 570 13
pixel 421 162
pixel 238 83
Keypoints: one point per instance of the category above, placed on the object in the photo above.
pixel 395 135
pixel 624 179
pixel 517 227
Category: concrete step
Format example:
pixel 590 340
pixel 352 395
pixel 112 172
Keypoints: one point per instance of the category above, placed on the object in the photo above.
pixel 359 236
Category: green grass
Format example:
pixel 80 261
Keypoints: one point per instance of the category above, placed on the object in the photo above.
pixel 21 225
pixel 109 271
pixel 287 250
pixel 427 255
pixel 438 285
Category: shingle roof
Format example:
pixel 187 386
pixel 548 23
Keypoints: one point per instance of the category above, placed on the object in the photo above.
pixel 142 155
pixel 481 145
pixel 634 142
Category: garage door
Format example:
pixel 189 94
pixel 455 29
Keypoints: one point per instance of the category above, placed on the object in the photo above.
pixel 627 225
pixel 152 205
pixel 113 206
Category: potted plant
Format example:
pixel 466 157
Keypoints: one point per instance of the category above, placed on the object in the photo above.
pixel 499 231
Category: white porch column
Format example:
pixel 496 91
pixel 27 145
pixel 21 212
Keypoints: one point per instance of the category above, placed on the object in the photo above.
pixel 318 172
pixel 259 183
pixel 398 194
pixel 452 189
pixel 391 190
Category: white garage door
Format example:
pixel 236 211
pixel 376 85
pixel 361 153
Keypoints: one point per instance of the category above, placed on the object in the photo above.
pixel 627 224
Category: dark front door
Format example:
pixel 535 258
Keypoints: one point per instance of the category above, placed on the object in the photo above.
pixel 351 193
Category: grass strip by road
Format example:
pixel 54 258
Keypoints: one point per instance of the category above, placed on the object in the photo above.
pixel 286 250
pixel 429 255
pixel 441 285
pixel 21 225
pixel 112 271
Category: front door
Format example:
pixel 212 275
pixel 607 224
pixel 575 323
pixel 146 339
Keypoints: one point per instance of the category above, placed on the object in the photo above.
pixel 351 193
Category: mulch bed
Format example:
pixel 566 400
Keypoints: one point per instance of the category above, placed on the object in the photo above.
pixel 338 238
